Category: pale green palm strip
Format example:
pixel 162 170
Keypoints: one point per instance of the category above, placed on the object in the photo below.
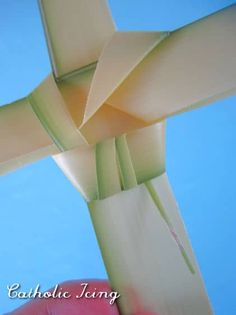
pixel 106 167
pixel 164 215
pixel 127 171
pixel 108 179
pixel 46 124
pixel 129 180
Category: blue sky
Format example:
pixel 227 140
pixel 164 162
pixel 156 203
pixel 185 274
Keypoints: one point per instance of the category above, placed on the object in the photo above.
pixel 46 235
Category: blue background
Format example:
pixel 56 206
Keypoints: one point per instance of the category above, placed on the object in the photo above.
pixel 45 231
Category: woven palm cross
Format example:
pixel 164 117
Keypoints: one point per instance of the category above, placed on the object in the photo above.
pixel 101 115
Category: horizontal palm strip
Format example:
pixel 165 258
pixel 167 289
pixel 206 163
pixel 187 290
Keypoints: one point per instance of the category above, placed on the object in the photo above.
pixel 45 123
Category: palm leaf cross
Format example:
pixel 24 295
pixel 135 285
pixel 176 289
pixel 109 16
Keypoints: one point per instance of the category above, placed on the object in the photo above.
pixel 101 115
